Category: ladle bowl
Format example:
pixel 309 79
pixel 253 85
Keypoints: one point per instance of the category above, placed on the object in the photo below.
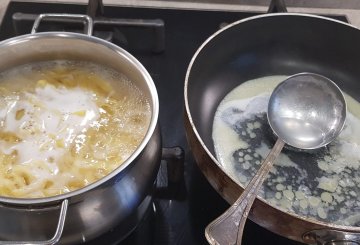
pixel 306 111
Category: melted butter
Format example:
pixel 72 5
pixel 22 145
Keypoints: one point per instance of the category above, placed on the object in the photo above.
pixel 311 184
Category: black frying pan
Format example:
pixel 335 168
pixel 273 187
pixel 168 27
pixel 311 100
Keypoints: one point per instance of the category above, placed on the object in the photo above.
pixel 272 44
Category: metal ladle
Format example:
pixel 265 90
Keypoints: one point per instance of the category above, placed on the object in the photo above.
pixel 306 111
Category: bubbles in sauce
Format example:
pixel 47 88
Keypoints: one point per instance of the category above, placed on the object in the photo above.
pixel 64 125
pixel 322 184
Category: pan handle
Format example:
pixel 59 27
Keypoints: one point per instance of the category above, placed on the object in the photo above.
pixel 56 237
pixel 87 20
pixel 332 237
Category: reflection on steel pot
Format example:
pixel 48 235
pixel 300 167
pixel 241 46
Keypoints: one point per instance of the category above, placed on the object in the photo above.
pixel 118 199
pixel 262 50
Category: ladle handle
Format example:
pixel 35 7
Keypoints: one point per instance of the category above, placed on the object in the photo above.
pixel 228 228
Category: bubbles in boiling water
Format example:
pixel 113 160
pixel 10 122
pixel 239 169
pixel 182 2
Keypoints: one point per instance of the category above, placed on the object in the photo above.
pixel 76 116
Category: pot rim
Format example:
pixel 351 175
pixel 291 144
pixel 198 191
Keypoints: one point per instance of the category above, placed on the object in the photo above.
pixel 151 128
pixel 191 121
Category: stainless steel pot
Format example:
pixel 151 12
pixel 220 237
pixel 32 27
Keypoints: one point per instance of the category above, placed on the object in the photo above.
pixel 120 198
pixel 266 45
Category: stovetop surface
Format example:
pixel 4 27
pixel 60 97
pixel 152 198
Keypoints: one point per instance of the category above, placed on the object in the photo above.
pixel 180 220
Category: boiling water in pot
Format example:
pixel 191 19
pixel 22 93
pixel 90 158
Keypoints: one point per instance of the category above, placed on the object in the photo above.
pixel 64 125
pixel 322 184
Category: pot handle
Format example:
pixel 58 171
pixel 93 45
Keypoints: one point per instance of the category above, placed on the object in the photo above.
pixel 87 20
pixel 332 237
pixel 56 237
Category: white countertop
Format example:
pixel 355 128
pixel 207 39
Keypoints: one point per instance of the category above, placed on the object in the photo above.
pixel 350 8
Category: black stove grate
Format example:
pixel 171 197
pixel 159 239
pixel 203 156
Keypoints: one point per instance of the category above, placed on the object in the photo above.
pixel 179 221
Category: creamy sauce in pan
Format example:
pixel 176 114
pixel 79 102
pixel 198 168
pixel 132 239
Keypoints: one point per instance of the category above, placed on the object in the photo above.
pixel 322 184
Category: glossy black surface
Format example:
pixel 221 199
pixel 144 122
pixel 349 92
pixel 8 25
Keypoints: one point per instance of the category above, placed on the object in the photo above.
pixel 195 203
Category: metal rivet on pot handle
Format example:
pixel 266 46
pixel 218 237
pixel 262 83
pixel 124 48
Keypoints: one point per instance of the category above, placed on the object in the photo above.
pixel 56 237
pixel 62 17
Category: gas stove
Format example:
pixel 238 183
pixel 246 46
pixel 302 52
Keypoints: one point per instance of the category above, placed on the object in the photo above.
pixel 163 40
